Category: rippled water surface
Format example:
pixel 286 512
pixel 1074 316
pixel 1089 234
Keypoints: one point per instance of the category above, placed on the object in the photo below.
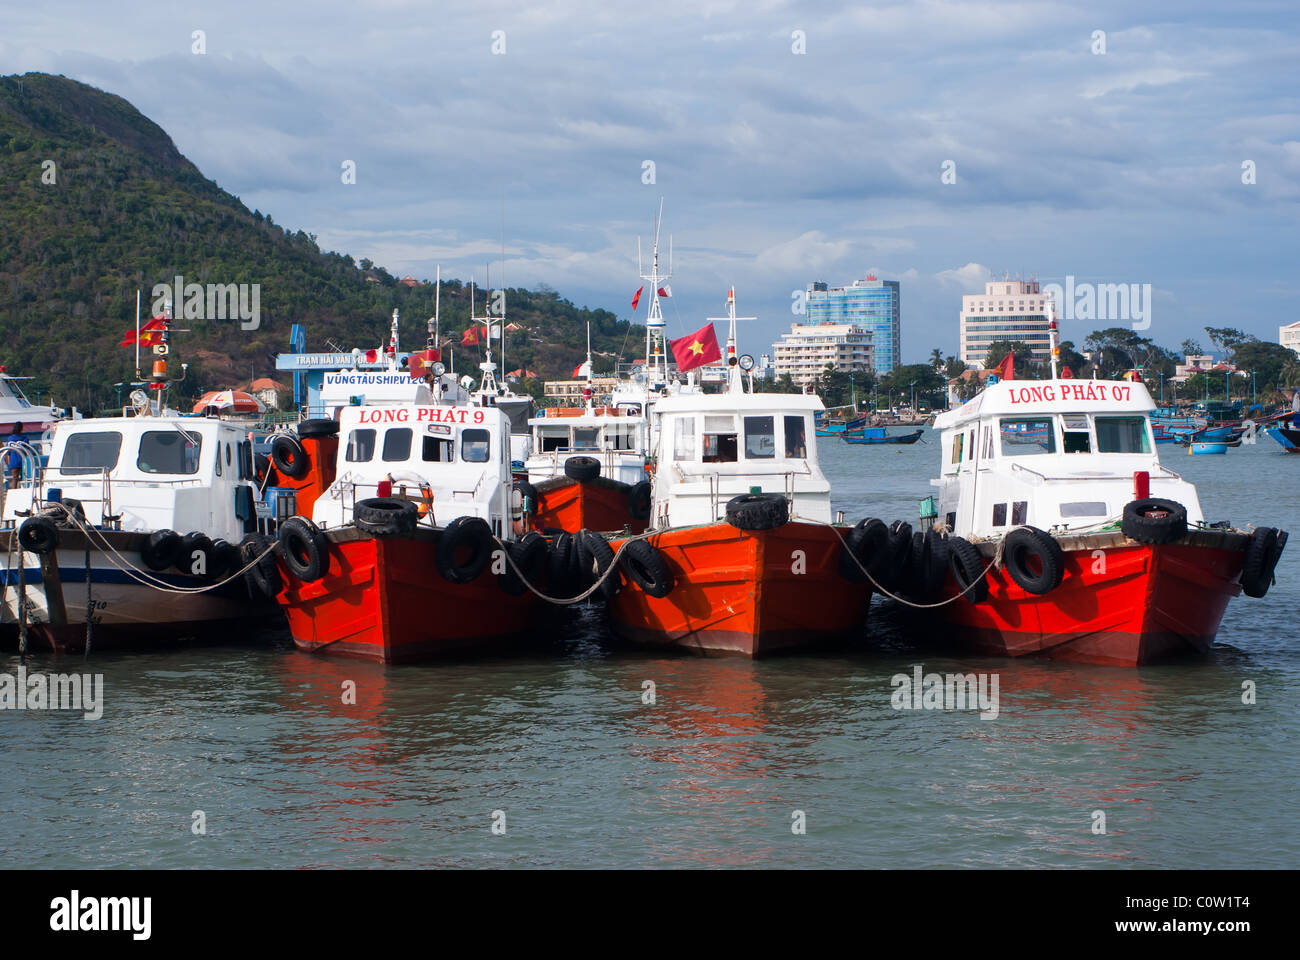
pixel 254 735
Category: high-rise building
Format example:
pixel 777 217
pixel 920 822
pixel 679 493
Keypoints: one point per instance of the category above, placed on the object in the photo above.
pixel 1007 310
pixel 809 348
pixel 871 304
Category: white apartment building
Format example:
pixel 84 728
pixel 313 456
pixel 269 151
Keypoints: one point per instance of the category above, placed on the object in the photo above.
pixel 1289 336
pixel 806 350
pixel 1006 310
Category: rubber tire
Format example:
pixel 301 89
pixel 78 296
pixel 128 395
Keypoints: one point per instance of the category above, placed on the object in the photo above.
pixel 900 553
pixel 966 565
pixel 927 565
pixel 561 564
pixel 264 576
pixel 529 555
pixel 645 566
pixel 191 542
pixel 640 500
pixel 529 494
pixel 471 532
pixel 1171 527
pixel 868 541
pixel 1019 544
pixel 39 535
pixel 74 507
pixel 318 427
pixel 304 549
pixel 386 516
pixel 758 511
pixel 1261 557
pixel 595 556
pixel 582 469
pixel 161 550
pixel 288 456
pixel 223 559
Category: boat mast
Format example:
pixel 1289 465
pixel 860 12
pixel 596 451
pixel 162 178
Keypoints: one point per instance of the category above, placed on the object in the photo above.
pixel 488 383
pixel 1053 335
pixel 735 383
pixel 656 368
pixel 392 342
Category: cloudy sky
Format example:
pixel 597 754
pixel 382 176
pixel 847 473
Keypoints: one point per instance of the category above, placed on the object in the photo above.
pixel 775 167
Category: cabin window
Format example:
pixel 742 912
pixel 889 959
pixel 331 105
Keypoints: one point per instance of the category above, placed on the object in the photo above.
pixel 554 441
pixel 586 438
pixel 957 443
pixel 218 459
pixel 91 452
pixel 621 437
pixel 796 438
pixel 720 439
pixel 229 457
pixel 988 443
pixel 474 446
pixel 437 450
pixel 684 439
pixel 1026 437
pixel 760 438
pixel 1074 434
pixel 1122 435
pixel 169 451
pixel 999 514
pixel 1019 512
pixel 397 445
pixel 361 446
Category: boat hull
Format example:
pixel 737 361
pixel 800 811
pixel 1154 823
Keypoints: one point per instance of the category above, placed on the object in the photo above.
pixel 382 599
pixel 752 593
pixel 1120 603
pixel 599 504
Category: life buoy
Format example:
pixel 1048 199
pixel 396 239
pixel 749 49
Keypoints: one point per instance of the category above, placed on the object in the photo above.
pixel 529 556
pixel 1262 553
pixel 195 555
pixel 39 535
pixel 758 511
pixel 967 567
pixel 386 516
pixel 318 427
pixel 161 549
pixel 866 545
pixel 263 576
pixel 595 556
pixel 1034 560
pixel 1153 520
pixel 305 549
pixel 288 456
pixel 464 549
pixel 582 469
pixel 639 501
pixel 646 567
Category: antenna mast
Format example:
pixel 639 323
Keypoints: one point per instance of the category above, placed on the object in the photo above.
pixel 656 368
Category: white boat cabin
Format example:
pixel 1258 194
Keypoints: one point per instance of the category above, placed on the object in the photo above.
pixel 146 473
pixel 712 447
pixel 1053 454
pixel 614 436
pixel 451 460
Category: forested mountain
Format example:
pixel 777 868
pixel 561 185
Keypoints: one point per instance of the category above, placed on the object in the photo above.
pixel 96 203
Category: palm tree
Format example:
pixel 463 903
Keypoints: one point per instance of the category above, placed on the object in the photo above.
pixel 936 358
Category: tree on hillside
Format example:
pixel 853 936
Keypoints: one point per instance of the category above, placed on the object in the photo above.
pixel 1227 338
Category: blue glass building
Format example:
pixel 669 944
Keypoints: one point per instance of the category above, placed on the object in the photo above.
pixel 869 303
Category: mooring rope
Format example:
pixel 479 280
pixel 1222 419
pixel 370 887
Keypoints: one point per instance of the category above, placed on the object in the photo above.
pixel 568 601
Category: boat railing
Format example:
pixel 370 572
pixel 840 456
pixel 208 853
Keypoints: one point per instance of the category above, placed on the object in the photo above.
pixel 1166 474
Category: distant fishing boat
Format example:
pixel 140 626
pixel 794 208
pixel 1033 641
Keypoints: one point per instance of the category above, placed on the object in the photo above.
pixel 1287 437
pixel 1204 447
pixel 881 435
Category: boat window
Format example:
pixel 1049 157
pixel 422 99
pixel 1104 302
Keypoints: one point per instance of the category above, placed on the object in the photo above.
pixel 218 459
pixel 796 438
pixel 586 438
pixel 397 445
pixel 621 436
pixel 957 442
pixel 1019 512
pixel 91 452
pixel 999 514
pixel 760 438
pixel 361 446
pixel 1122 435
pixel 719 448
pixel 229 458
pixel 1074 433
pixel 554 441
pixel 169 451
pixel 437 450
pixel 684 444
pixel 474 446
pixel 1027 436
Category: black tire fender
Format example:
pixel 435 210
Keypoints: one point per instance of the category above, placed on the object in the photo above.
pixel 304 549
pixel 39 535
pixel 263 576
pixel 529 555
pixel 967 566
pixel 868 543
pixel 1029 543
pixel 386 516
pixel 582 469
pixel 1153 520
pixel 161 550
pixel 560 566
pixel 640 500
pixel 595 556
pixel 645 565
pixel 192 543
pixel 758 511
pixel 464 533
pixel 288 456
pixel 1261 558
pixel 318 427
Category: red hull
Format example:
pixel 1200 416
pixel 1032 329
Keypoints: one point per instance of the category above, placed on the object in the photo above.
pixel 1146 603
pixel 600 504
pixel 384 600
pixel 746 592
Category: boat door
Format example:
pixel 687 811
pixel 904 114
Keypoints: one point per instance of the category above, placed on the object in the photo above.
pixel 976 463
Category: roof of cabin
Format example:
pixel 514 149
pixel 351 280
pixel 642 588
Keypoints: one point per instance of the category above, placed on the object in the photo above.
pixel 1039 397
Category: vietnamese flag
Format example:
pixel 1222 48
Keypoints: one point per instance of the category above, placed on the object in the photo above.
pixel 1006 369
pixel 636 298
pixel 696 350
pixel 470 339
pixel 419 362
pixel 150 333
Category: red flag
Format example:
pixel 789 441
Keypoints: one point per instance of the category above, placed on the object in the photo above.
pixel 1006 370
pixel 470 339
pixel 1067 373
pixel 582 369
pixel 665 291
pixel 637 298
pixel 372 356
pixel 150 333
pixel 418 363
pixel 699 348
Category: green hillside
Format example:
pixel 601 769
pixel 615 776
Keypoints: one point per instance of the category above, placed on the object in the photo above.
pixel 126 211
